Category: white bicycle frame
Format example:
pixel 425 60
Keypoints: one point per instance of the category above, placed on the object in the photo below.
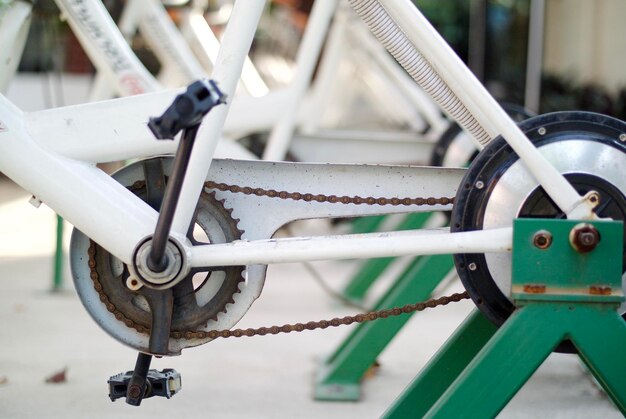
pixel 15 21
pixel 52 154
pixel 397 95
pixel 206 45
pixel 181 62
pixel 120 71
pixel 282 111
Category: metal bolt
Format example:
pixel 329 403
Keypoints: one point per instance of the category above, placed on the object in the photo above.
pixel 472 266
pixel 622 138
pixel 587 238
pixel 542 239
pixel 134 391
pixel 584 238
pixel 541 131
pixel 599 290
pixel 593 197
pixel 133 283
pixel 535 288
pixel 480 184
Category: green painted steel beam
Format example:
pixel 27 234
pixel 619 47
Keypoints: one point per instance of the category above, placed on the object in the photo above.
pixel 605 357
pixel 524 341
pixel 369 224
pixel 443 369
pixel 57 280
pixel 340 375
pixel 565 307
pixel 372 269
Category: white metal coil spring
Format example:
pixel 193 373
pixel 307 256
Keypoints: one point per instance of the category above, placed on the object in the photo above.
pixel 386 30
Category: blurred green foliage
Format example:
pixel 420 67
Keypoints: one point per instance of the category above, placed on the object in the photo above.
pixel 506 36
pixel 451 19
pixel 506 56
pixel 561 93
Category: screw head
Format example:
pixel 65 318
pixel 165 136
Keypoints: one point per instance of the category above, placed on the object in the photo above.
pixel 133 283
pixel 622 138
pixel 472 266
pixel 541 131
pixel 480 184
pixel 542 239
pixel 584 238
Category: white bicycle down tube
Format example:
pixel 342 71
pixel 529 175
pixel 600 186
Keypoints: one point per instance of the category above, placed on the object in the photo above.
pixel 116 129
pixel 399 243
pixel 227 71
pixel 483 106
pixel 87 197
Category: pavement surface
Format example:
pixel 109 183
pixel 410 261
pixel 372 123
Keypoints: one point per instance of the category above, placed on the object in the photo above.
pixel 43 333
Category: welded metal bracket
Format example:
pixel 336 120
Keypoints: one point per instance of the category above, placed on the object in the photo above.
pixel 561 294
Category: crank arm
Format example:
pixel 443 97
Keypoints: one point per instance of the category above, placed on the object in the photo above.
pixel 161 304
pixel 137 382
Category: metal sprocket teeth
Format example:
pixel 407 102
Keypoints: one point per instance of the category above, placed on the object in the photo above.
pixel 200 297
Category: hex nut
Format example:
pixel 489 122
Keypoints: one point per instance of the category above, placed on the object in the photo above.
pixel 584 238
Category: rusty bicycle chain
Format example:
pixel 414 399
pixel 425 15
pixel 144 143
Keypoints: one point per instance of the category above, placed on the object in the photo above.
pixel 323 324
pixel 286 328
pixel 333 199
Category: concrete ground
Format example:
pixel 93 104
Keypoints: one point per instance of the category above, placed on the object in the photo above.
pixel 264 377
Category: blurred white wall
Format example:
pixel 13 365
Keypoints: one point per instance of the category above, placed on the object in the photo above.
pixel 586 40
pixel 36 91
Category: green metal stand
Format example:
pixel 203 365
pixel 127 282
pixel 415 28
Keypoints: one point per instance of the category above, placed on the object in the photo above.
pixel 562 294
pixel 340 375
pixel 367 224
pixel 521 346
pixel 57 280
pixel 444 368
pixel 373 268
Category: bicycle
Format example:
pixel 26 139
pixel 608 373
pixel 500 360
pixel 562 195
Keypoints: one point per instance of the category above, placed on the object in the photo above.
pixel 575 175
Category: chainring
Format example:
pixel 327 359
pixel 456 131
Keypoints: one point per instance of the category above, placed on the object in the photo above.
pixel 200 297
pixel 587 148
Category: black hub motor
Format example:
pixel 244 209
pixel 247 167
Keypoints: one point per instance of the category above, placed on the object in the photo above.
pixel 587 148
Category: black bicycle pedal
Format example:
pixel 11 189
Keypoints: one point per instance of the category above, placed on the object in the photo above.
pixel 164 383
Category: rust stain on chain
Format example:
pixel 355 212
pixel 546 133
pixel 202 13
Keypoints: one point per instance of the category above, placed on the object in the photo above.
pixel 286 328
